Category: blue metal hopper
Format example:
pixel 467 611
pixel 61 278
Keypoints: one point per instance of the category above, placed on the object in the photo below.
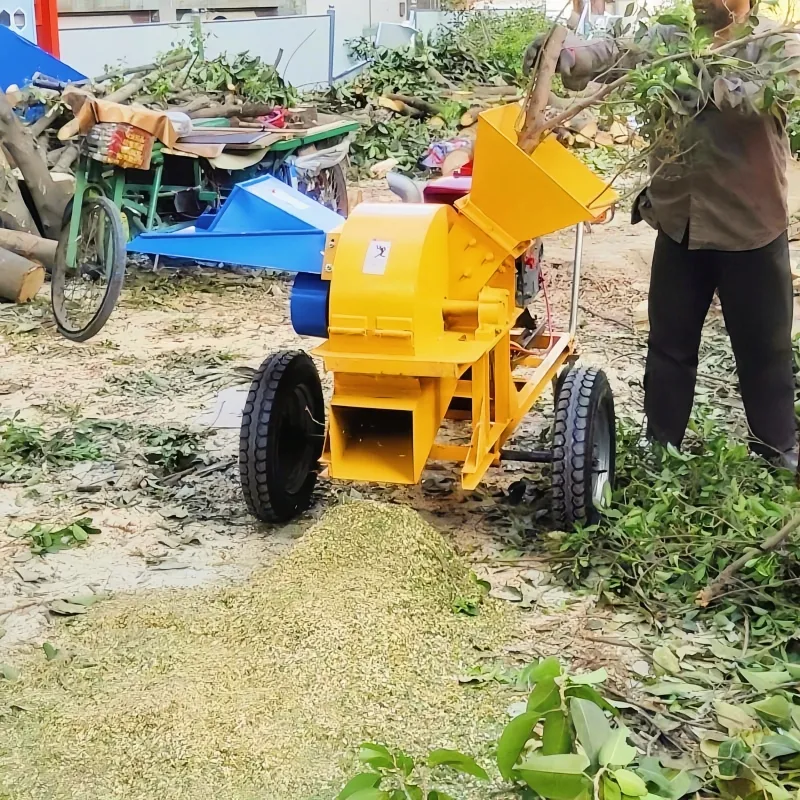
pixel 264 224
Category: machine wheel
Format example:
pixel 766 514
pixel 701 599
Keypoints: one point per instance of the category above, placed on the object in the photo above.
pixel 84 294
pixel 283 430
pixel 584 447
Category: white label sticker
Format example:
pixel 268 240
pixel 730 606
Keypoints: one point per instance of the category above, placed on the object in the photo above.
pixel 377 257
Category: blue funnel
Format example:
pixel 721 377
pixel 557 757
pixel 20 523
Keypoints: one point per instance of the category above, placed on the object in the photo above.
pixel 263 224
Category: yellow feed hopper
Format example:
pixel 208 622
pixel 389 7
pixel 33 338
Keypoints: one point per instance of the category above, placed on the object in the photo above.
pixel 427 319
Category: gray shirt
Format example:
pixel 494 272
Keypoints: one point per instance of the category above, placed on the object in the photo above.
pixel 727 181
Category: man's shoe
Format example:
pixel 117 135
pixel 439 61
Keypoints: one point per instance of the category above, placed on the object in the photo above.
pixel 787 461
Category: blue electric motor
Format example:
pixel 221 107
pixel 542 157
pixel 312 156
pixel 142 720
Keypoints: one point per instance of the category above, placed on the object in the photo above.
pixel 309 305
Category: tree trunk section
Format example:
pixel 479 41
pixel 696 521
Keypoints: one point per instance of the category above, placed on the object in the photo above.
pixel 29 246
pixel 20 278
pixel 539 94
pixel 14 214
pixel 49 199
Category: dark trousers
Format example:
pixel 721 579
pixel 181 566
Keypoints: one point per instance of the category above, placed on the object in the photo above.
pixel 755 290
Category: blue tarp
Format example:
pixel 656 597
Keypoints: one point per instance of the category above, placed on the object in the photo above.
pixel 20 60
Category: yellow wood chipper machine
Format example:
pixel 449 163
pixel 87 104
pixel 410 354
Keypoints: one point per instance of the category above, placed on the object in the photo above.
pixel 423 309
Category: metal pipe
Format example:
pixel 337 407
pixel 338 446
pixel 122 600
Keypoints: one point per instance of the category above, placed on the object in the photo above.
pixel 527 456
pixel 576 279
pixel 406 189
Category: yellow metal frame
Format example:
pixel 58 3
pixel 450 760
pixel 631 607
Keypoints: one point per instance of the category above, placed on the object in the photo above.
pixel 422 312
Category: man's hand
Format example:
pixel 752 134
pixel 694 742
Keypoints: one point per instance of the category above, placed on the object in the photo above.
pixel 566 61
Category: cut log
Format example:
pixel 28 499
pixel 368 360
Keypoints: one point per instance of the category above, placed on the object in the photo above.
pixel 456 159
pixel 20 277
pixel 14 213
pixel 48 198
pixel 399 107
pixel 620 133
pixel 418 103
pixel 124 93
pixel 436 123
pixel 67 157
pixel 246 111
pixel 470 117
pixel 604 139
pixel 437 77
pixel 29 246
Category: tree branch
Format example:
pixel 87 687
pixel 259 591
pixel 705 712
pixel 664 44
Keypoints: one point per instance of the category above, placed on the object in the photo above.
pixel 713 590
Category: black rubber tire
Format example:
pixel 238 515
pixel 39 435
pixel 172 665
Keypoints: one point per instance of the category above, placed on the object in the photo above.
pixel 584 403
pixel 115 279
pixel 282 436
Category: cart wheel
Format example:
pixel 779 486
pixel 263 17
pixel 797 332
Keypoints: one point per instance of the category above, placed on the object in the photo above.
pixel 84 294
pixel 584 447
pixel 283 430
pixel 332 189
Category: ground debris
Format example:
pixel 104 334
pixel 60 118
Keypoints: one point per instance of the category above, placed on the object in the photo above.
pixel 267 688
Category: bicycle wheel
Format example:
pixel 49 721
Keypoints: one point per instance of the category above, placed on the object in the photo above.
pixel 84 293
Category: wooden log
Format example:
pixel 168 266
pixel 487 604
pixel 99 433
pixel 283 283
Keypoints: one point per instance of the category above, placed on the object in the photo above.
pixel 456 159
pixel 424 106
pixel 470 116
pixel 20 277
pixel 29 246
pixel 48 198
pixel 122 71
pixel 124 93
pixel 399 107
pixel 539 94
pixel 248 111
pixel 14 213
pixel 67 157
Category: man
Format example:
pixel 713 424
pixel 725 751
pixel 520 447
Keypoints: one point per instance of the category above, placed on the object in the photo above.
pixel 720 208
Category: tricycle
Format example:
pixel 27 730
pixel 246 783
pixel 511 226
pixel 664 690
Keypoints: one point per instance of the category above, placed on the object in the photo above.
pixel 117 198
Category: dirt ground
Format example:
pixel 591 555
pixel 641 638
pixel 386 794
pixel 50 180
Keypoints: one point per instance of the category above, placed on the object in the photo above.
pixel 178 351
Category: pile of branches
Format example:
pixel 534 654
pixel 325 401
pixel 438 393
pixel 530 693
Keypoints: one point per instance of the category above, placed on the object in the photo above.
pixel 38 130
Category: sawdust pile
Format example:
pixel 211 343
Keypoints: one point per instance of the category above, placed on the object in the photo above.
pixel 263 690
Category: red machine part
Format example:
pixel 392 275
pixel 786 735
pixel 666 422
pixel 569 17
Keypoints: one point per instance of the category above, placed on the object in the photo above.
pixel 47 26
pixel 446 191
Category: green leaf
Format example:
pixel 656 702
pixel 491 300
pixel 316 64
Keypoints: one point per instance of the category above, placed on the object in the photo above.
pixel 558 777
pixel 364 780
pixel 610 789
pixel 766 681
pixel 630 783
pixel 546 668
pixel 556 734
pixel 78 533
pixel 589 678
pixel 434 795
pixel 651 771
pixel 593 696
pixel 9 673
pixel 376 756
pixel 545 697
pixel 513 740
pixel 735 718
pixel 776 709
pixel 50 652
pixel 670 688
pixel 568 764
pixel 731 756
pixel 591 727
pixel 667 660
pixel 457 761
pixel 780 745
pixel 616 752
pixel 370 794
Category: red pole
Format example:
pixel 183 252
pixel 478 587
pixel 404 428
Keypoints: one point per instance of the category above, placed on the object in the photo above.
pixel 47 26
